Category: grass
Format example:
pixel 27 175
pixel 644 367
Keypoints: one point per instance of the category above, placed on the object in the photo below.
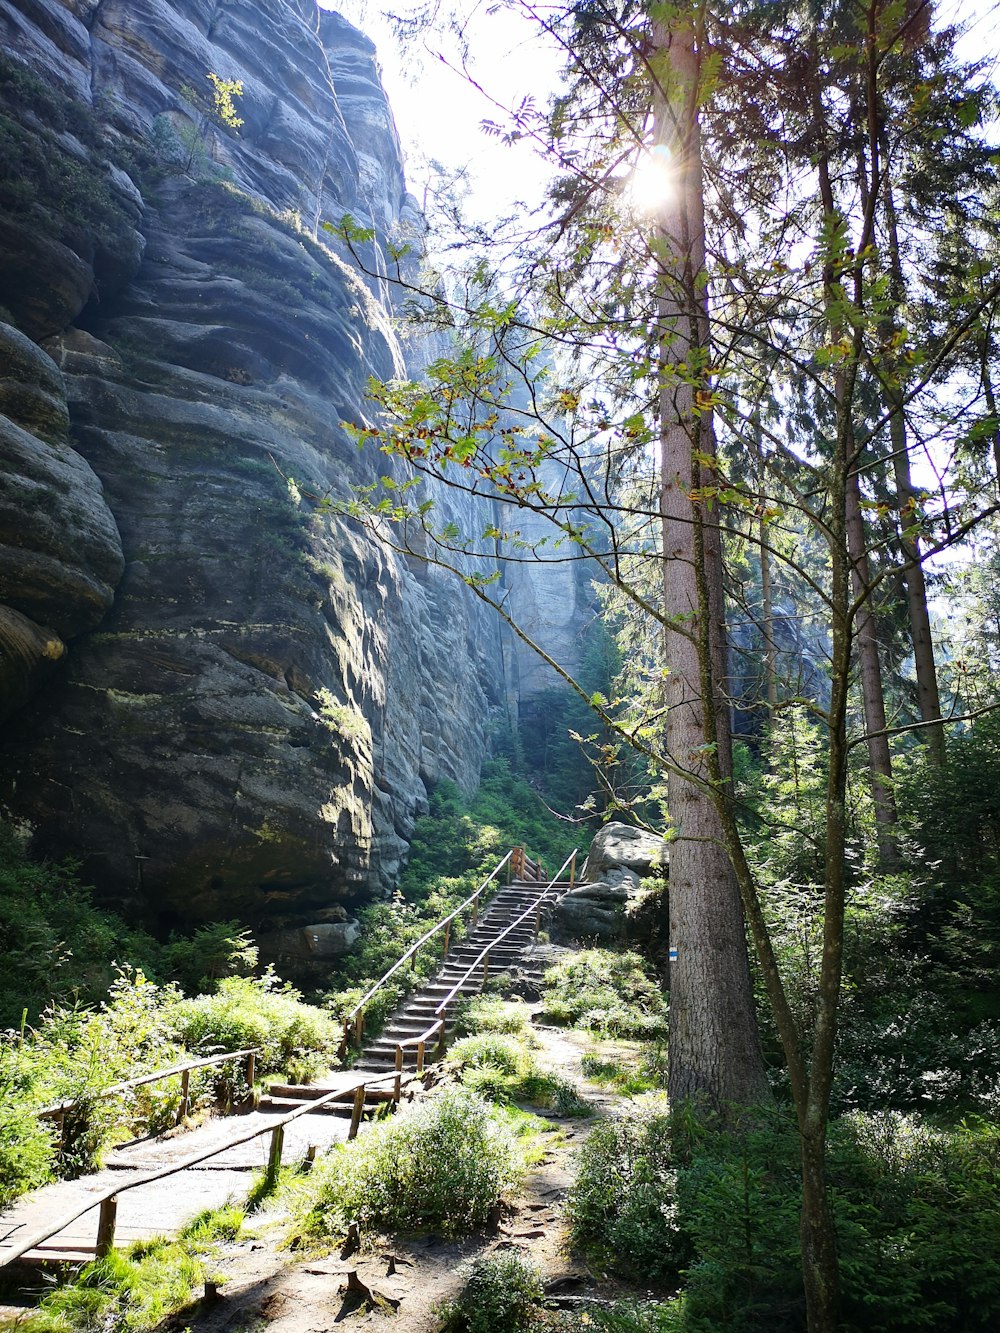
pixel 628 1069
pixel 137 1289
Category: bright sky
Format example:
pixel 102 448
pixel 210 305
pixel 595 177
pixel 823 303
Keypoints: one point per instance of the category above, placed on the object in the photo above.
pixel 439 112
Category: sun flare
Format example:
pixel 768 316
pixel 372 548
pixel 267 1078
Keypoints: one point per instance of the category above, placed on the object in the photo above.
pixel 651 183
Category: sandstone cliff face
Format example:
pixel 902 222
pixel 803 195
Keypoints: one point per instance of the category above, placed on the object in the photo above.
pixel 249 727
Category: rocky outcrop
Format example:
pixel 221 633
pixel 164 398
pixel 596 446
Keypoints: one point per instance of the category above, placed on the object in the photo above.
pixel 60 553
pixel 251 727
pixel 620 847
pixel 600 907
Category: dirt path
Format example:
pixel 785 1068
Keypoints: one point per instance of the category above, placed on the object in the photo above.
pixel 410 1279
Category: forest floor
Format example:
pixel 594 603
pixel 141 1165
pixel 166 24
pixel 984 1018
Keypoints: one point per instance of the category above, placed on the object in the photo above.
pixel 401 1283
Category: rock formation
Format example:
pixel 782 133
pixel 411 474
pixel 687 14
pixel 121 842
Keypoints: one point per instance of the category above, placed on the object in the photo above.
pixel 620 857
pixel 223 698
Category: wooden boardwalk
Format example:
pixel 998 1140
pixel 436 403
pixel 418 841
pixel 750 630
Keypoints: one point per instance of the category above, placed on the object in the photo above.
pixel 164 1207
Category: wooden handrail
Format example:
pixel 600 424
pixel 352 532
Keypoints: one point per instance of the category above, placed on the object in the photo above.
pixel 105 1229
pixel 356 1017
pixel 441 1012
pixel 60 1108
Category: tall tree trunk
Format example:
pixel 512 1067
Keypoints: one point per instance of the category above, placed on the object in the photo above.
pixel 924 665
pixel 991 404
pixel 767 601
pixel 872 696
pixel 714 1050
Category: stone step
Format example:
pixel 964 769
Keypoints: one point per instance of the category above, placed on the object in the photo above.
pixel 309 1092
pixel 286 1104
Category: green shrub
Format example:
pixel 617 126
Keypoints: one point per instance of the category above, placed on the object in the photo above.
pixel 26 1144
pixel 502 1295
pixel 623 1203
pixel 490 1013
pixel 440 1165
pixel 640 1317
pixel 503 1069
pixel 200 961
pixel 263 1013
pixel 632 1073
pixel 55 944
pixel 915 1213
pixel 608 993
pixel 494 1049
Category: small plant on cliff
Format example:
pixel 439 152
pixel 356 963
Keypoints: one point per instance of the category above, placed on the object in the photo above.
pixel 223 105
pixel 193 135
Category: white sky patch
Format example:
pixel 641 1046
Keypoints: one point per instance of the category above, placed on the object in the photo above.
pixel 440 110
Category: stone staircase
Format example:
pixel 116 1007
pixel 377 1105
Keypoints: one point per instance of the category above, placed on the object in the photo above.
pixel 416 1013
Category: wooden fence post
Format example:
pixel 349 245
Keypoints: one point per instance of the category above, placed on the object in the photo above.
pixel 185 1106
pixel 356 1112
pixel 274 1158
pixel 572 870
pixel 251 1068
pixel 106 1227
pixel 397 1088
pixel 420 1057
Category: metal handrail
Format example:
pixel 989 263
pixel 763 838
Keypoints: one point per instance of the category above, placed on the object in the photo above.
pixel 357 1014
pixel 436 1029
pixel 108 1201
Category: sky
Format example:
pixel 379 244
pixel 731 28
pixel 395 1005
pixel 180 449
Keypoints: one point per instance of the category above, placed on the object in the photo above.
pixel 438 110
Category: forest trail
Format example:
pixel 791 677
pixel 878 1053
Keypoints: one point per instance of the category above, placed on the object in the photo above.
pixel 164 1207
pixel 410 1278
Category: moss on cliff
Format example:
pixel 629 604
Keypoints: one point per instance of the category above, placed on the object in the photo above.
pixel 53 168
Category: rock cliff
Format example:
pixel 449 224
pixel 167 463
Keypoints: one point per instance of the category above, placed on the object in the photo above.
pixel 221 697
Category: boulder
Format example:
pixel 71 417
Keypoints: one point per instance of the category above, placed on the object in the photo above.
pixel 620 846
pixel 332 938
pixel 591 912
pixel 599 907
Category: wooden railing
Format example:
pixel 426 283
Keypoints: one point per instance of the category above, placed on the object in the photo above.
pixel 107 1202
pixel 515 860
pixel 57 1111
pixel 438 1027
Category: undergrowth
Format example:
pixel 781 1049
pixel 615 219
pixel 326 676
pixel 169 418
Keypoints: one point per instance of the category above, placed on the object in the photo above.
pixel 442 1165
pixel 608 993
pixel 133 1290
pixel 502 1294
pixel 664 1198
